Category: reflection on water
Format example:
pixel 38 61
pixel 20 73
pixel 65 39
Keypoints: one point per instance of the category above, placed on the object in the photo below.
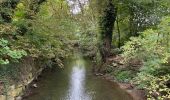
pixel 76 82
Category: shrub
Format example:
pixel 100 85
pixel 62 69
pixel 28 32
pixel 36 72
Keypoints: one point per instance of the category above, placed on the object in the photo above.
pixel 123 76
pixel 157 88
pixel 152 48
pixel 7 54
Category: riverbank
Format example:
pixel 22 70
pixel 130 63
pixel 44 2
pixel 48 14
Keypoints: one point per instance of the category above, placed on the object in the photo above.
pixel 131 89
pixel 27 70
pixel 112 71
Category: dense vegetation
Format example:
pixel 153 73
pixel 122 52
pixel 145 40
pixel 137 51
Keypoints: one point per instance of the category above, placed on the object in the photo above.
pixel 136 31
pixel 40 30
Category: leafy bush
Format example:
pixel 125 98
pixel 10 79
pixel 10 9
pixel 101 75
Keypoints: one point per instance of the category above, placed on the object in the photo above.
pixel 109 69
pixel 158 88
pixel 123 76
pixel 152 48
pixel 7 54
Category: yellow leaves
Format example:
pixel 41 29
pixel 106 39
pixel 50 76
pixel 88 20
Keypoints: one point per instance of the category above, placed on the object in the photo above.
pixel 149 31
pixel 20 6
pixel 7 29
pixel 158 86
pixel 20 12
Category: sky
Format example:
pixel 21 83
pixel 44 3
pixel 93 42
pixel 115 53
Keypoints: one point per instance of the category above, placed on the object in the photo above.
pixel 75 7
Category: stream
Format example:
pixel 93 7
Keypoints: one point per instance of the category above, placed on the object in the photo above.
pixel 76 82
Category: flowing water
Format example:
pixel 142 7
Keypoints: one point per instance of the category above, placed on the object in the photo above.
pixel 76 82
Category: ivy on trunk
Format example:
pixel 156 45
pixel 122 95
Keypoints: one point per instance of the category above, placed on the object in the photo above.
pixel 107 19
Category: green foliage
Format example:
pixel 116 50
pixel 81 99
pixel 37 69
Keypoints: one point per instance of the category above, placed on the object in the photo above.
pixel 123 75
pixel 42 31
pixel 48 30
pixel 156 86
pixel 135 16
pixel 52 33
pixel 87 29
pixel 36 29
pixel 109 69
pixel 107 18
pixel 88 44
pixel 158 89
pixel 8 54
pixel 152 48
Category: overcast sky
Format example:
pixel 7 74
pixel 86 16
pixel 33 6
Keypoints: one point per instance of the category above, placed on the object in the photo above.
pixel 75 7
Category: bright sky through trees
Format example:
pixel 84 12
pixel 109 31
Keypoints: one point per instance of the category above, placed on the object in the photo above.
pixel 77 5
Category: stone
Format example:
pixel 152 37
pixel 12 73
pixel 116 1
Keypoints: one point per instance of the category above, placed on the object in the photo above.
pixel 114 64
pixel 34 85
pixel 18 98
pixel 126 86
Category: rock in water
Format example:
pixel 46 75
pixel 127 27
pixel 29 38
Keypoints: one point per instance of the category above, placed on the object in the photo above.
pixel 34 85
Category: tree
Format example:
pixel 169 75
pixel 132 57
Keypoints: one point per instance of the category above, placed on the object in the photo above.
pixel 107 17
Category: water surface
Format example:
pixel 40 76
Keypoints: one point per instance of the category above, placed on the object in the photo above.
pixel 76 82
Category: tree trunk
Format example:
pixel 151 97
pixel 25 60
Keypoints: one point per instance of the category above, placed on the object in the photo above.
pixel 107 19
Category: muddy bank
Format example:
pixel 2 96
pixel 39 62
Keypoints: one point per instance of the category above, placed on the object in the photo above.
pixel 117 63
pixel 137 94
